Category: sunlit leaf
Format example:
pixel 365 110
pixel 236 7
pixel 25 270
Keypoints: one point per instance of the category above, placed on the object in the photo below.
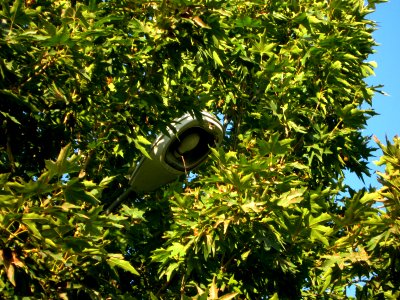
pixel 217 59
pixel 123 264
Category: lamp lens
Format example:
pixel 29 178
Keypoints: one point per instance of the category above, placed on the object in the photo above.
pixel 189 143
pixel 189 149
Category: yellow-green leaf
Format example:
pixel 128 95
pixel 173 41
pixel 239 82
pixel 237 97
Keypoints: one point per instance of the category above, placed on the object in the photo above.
pixel 216 58
pixel 123 264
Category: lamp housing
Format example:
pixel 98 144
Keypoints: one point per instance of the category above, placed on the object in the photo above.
pixel 180 151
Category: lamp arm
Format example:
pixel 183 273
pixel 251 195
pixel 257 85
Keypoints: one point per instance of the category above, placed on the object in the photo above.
pixel 120 199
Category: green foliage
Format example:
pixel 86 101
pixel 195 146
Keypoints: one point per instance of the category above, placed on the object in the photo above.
pixel 55 241
pixel 380 230
pixel 86 85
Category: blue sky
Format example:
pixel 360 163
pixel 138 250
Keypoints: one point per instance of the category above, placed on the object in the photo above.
pixel 387 16
pixel 387 123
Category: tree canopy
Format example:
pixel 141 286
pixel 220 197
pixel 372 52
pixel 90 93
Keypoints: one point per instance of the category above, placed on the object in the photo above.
pixel 85 87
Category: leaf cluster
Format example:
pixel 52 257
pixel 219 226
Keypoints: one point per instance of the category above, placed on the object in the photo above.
pixel 55 240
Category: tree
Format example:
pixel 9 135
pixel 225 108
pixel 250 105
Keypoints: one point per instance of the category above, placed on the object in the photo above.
pixel 378 231
pixel 86 86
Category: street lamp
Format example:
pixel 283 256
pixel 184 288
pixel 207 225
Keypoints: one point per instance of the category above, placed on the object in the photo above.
pixel 180 151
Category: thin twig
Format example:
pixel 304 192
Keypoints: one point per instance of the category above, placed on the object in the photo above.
pixel 9 149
